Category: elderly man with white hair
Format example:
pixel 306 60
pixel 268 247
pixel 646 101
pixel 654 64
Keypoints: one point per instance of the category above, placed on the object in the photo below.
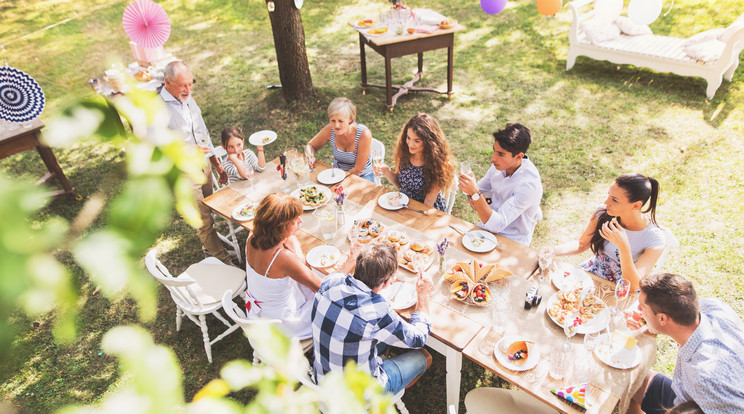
pixel 185 117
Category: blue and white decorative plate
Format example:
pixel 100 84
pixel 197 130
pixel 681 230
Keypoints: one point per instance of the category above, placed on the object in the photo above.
pixel 21 97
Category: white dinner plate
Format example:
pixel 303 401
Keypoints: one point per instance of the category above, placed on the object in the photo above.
pixel 472 241
pixel 331 176
pixel 323 256
pixel 596 324
pixel 264 137
pixel 568 277
pixel 384 201
pixel 532 359
pixel 240 213
pixel 618 357
pixel 404 298
pixel 323 189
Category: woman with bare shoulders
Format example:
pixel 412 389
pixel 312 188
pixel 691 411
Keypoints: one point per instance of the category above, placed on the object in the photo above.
pixel 280 284
pixel 351 142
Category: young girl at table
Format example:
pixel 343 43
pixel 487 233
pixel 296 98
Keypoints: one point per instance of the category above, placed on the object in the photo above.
pixel 624 237
pixel 280 284
pixel 240 162
pixel 351 142
pixel 423 162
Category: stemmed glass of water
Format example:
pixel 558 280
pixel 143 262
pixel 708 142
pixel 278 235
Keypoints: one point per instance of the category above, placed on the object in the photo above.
pixel 622 290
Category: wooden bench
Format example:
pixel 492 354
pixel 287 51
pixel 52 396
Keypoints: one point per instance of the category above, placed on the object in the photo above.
pixel 660 53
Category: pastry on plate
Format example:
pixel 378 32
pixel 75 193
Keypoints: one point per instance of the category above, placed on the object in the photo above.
pixel 460 290
pixel 481 294
pixel 518 352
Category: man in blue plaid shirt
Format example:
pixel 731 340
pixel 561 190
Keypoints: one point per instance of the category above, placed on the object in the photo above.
pixel 352 322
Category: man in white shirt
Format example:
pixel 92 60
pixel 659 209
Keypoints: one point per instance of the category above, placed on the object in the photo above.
pixel 514 184
pixel 185 117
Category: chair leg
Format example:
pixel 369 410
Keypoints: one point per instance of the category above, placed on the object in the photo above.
pixel 205 334
pixel 179 316
pixel 401 406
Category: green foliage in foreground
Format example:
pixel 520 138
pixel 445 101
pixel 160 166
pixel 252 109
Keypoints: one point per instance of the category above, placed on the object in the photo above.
pixel 589 125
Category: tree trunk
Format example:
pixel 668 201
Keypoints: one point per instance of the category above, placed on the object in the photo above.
pixel 289 42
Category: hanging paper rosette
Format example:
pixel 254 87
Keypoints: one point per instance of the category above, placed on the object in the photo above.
pixel 21 97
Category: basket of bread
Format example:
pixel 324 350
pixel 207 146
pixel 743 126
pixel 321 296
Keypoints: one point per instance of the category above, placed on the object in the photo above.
pixel 469 281
pixel 447 24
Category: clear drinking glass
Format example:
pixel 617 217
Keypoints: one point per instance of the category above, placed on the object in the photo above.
pixel 250 174
pixel 465 167
pixel 500 311
pixel 544 260
pixel 378 161
pixel 557 369
pixel 326 216
pixel 591 341
pixel 622 290
pixel 300 169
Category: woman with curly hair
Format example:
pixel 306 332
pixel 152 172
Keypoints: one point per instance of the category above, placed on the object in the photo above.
pixel 423 162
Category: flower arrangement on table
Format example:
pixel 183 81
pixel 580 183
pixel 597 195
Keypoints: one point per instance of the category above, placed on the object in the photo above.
pixel 442 249
pixel 340 197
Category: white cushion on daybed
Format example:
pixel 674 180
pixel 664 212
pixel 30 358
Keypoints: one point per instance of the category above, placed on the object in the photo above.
pixel 631 28
pixel 706 52
pixel 712 34
pixel 600 31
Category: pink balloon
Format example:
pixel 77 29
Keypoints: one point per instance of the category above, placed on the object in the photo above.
pixel 493 6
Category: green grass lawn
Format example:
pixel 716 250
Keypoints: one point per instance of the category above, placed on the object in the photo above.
pixel 589 125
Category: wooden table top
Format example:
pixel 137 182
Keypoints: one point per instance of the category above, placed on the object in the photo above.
pixel 461 326
pixel 390 37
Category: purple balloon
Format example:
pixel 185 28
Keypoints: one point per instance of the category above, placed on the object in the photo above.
pixel 493 6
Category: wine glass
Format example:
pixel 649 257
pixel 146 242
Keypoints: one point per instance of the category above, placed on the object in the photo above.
pixel 622 290
pixel 465 169
pixel 591 341
pixel 249 172
pixel 310 154
pixel 300 168
pixel 545 261
pixel 378 161
pixel 570 325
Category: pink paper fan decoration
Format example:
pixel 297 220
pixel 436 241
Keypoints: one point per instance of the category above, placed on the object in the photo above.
pixel 146 23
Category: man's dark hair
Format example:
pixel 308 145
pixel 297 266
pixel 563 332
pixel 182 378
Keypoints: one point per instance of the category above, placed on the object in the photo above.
pixel 376 264
pixel 515 138
pixel 673 296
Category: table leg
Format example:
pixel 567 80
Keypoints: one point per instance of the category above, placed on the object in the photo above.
pixel 53 167
pixel 453 365
pixel 421 63
pixel 454 368
pixel 363 58
pixel 450 64
pixel 388 83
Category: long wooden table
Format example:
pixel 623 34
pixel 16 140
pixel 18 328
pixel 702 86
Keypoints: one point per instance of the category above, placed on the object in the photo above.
pixel 457 328
pixel 393 46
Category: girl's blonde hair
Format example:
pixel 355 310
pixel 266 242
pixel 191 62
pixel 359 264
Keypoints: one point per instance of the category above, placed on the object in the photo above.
pixel 342 106
pixel 273 216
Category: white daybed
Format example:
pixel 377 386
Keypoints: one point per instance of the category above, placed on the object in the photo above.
pixel 661 53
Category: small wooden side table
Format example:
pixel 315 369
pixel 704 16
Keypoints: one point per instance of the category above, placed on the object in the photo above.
pixel 22 139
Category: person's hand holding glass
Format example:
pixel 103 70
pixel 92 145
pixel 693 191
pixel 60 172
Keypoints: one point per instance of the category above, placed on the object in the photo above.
pixel 310 154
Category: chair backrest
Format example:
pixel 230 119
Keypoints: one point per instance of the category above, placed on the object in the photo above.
pixel 671 243
pixel 378 146
pixel 238 316
pixel 221 155
pixel 180 288
pixel 449 199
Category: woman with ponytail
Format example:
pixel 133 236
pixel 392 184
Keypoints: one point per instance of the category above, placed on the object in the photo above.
pixel 623 235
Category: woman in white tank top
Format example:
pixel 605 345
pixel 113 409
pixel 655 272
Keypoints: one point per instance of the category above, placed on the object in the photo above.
pixel 280 284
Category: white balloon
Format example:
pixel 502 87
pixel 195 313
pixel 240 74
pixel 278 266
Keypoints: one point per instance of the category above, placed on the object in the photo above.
pixel 644 11
pixel 607 10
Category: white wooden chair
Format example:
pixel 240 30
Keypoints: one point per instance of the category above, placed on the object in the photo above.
pixel 230 236
pixel 498 400
pixel 378 146
pixel 671 243
pixel 239 317
pixel 449 199
pixel 198 291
